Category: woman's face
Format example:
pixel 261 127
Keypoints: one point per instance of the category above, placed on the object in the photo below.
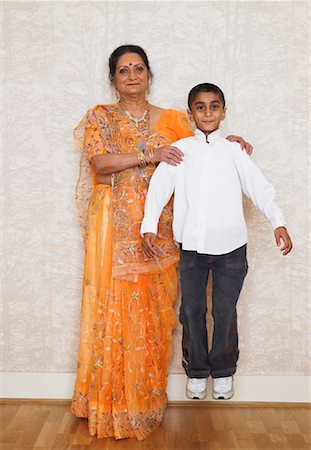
pixel 131 75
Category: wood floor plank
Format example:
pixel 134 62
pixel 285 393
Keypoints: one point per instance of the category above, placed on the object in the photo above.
pixel 217 419
pixel 218 426
pixel 270 419
pixel 290 427
pixel 307 438
pixel 81 436
pixel 10 438
pixel 8 412
pixel 297 441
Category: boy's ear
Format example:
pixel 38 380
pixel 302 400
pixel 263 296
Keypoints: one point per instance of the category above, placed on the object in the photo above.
pixel 190 115
pixel 224 113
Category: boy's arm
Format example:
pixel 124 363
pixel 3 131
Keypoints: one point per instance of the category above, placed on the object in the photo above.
pixel 262 193
pixel 161 188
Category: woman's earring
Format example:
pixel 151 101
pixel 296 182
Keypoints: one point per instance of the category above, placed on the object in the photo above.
pixel 117 95
pixel 149 87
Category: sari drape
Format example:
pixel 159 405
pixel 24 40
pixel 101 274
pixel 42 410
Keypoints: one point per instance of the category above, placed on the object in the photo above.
pixel 127 306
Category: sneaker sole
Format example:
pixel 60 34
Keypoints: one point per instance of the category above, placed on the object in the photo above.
pixel 196 396
pixel 226 396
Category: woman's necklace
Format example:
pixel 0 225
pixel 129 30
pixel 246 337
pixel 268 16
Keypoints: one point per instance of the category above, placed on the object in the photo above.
pixel 136 120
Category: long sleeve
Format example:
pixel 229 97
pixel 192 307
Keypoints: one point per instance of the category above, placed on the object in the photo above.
pixel 255 186
pixel 161 188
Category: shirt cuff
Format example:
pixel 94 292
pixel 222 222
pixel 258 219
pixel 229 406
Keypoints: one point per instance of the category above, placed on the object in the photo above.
pixel 149 225
pixel 278 221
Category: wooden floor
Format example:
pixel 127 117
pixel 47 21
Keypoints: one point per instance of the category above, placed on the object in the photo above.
pixel 46 425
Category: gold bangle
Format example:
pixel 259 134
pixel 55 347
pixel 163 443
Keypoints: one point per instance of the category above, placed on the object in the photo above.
pixel 142 161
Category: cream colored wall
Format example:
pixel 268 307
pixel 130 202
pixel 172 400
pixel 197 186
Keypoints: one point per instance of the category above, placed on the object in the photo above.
pixel 54 60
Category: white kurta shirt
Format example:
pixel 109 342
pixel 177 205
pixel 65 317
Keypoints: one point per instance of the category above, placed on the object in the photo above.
pixel 208 204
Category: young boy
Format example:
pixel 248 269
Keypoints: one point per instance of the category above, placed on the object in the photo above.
pixel 210 226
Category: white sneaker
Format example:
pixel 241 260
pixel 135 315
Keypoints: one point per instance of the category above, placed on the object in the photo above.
pixel 196 388
pixel 223 388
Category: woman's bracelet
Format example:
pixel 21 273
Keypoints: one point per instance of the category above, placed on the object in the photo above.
pixel 142 161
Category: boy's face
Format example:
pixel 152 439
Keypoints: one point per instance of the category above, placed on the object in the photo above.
pixel 207 111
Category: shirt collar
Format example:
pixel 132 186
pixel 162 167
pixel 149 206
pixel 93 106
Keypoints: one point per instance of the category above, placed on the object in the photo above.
pixel 212 137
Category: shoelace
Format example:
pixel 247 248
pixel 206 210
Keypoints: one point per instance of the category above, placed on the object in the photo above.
pixel 196 383
pixel 223 383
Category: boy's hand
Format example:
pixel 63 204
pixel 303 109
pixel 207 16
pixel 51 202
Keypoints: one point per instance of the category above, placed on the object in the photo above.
pixel 244 145
pixel 148 246
pixel 281 235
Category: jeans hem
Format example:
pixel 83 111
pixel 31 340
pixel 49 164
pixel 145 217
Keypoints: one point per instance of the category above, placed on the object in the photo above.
pixel 223 373
pixel 197 374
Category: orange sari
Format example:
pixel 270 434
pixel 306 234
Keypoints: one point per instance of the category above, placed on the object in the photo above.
pixel 127 307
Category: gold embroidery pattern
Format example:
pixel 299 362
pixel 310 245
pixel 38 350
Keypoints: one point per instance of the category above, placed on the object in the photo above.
pixel 127 308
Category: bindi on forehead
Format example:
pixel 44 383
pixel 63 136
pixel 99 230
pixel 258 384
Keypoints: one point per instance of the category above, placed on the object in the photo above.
pixel 130 64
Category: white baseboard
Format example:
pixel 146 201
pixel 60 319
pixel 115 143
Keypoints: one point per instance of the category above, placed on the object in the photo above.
pixel 295 389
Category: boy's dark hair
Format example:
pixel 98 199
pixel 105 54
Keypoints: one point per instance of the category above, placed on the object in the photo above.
pixel 205 87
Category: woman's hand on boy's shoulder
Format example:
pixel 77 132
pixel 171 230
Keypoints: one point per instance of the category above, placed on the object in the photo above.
pixel 171 155
pixel 243 144
pixel 283 239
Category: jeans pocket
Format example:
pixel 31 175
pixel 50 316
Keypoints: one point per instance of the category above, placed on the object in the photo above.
pixel 237 260
pixel 187 259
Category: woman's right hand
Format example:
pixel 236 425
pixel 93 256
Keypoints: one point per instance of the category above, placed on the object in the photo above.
pixel 169 154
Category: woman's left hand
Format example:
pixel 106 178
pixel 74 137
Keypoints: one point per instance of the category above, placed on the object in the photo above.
pixel 244 145
pixel 149 251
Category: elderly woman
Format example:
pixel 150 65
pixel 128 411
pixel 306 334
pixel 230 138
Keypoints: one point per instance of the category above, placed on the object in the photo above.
pixel 127 309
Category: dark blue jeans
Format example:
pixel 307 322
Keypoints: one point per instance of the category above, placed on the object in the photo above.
pixel 228 273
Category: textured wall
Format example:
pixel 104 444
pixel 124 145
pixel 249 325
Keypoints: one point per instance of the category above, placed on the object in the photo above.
pixel 54 60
